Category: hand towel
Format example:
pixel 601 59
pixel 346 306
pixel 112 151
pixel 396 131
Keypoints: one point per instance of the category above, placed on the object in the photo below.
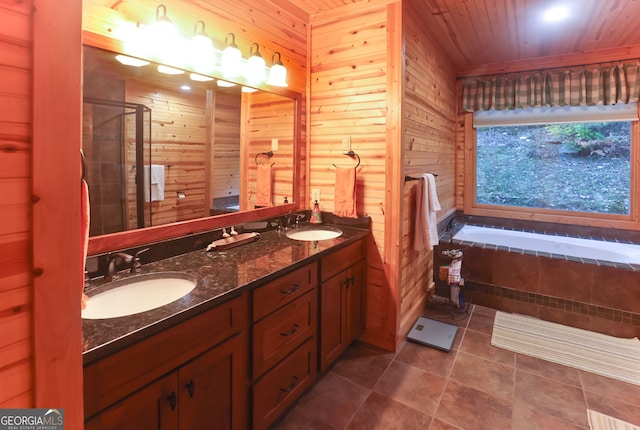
pixel 154 183
pixel 345 192
pixel 263 187
pixel 84 232
pixel 427 204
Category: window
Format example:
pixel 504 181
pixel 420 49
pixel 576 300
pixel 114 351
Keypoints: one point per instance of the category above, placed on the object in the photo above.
pixel 582 167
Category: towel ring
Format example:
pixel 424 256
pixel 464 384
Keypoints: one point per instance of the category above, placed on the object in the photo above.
pixel 268 154
pixel 352 155
pixel 83 161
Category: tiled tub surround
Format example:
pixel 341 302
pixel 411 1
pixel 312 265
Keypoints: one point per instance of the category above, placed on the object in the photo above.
pixel 594 295
pixel 222 275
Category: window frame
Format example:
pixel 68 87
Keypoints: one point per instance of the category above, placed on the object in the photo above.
pixel 471 207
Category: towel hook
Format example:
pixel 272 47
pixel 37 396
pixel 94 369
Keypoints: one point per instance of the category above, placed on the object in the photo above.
pixel 351 154
pixel 268 154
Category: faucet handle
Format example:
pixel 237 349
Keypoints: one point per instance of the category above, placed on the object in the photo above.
pixel 136 265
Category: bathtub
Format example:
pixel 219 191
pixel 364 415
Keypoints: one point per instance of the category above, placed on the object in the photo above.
pixel 578 248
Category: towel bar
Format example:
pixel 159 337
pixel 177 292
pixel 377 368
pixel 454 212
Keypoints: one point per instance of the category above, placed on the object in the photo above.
pixel 351 154
pixel 411 178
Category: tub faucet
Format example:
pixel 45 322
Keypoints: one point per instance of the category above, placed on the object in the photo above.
pixel 113 260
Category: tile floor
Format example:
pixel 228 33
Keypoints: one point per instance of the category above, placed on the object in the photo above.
pixel 475 386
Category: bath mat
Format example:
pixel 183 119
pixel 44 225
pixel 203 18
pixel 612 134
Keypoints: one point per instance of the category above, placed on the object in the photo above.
pixel 597 353
pixel 598 421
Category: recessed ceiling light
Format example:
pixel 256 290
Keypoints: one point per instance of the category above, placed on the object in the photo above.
pixel 185 87
pixel 556 14
pixel 225 84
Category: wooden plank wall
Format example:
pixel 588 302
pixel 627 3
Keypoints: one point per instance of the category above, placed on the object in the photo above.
pixel 429 117
pixel 270 116
pixel 348 87
pixel 16 328
pixel 225 147
pixel 178 142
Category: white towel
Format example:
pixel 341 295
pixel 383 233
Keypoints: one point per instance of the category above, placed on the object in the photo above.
pixel 155 191
pixel 427 204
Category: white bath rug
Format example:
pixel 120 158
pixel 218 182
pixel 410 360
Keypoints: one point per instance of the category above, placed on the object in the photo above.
pixel 597 353
pixel 598 421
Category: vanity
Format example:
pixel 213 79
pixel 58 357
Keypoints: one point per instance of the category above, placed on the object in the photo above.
pixel 263 321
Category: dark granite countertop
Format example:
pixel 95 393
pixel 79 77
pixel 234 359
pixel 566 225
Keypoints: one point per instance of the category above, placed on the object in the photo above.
pixel 221 275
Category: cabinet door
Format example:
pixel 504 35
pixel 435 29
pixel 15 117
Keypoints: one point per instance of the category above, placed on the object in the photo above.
pixel 332 319
pixel 214 388
pixel 355 300
pixel 154 407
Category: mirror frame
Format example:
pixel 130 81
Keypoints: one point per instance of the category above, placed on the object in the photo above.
pixel 147 235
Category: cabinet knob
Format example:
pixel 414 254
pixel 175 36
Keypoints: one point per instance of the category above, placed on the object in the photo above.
pixel 351 281
pixel 291 386
pixel 291 290
pixel 173 400
pixel 292 331
pixel 191 387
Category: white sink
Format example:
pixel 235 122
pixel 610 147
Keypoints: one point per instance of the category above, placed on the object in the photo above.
pixel 312 234
pixel 137 294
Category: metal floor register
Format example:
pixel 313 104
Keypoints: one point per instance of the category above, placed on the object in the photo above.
pixel 433 333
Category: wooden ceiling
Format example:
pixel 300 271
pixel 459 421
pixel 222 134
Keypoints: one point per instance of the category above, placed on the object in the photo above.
pixel 494 32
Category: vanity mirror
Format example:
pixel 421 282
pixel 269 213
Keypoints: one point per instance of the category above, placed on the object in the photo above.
pixel 181 151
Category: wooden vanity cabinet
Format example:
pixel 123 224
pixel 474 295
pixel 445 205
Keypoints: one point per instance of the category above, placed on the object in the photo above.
pixel 191 376
pixel 341 301
pixel 285 319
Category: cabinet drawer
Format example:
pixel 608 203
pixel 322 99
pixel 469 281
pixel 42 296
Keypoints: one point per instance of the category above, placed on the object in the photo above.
pixel 286 289
pixel 339 260
pixel 284 384
pixel 275 336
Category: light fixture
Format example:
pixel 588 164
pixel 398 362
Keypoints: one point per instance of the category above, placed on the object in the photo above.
pixel 225 84
pixel 164 39
pixel 201 53
pixel 248 90
pixel 199 78
pixel 556 14
pixel 255 71
pixel 169 70
pixel 277 73
pixel 130 61
pixel 185 87
pixel 231 62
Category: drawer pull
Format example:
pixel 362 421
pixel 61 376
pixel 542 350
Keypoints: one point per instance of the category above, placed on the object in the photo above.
pixel 291 290
pixel 191 387
pixel 292 331
pixel 173 400
pixel 291 386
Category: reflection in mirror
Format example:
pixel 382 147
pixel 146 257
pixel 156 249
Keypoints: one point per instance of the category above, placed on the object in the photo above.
pixel 163 148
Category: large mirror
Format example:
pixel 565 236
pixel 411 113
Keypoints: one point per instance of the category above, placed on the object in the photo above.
pixel 164 148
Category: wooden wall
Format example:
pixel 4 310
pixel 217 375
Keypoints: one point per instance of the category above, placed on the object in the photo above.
pixel 225 145
pixel 270 116
pixel 16 295
pixel 179 143
pixel 349 98
pixel 429 117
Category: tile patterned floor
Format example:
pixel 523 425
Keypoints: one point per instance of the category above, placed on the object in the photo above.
pixel 473 387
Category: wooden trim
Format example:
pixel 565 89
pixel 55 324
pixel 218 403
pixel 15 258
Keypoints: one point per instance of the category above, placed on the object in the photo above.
pixel 57 250
pixel 568 60
pixel 394 153
pixel 624 222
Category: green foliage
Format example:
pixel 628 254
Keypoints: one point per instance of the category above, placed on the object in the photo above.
pixel 530 166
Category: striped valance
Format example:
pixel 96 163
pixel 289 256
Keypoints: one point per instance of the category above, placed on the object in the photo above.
pixel 583 86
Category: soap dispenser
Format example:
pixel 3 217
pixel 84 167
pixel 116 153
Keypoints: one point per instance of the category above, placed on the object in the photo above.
pixel 316 216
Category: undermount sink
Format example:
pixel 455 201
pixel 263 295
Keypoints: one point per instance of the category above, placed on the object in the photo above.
pixel 314 233
pixel 137 294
